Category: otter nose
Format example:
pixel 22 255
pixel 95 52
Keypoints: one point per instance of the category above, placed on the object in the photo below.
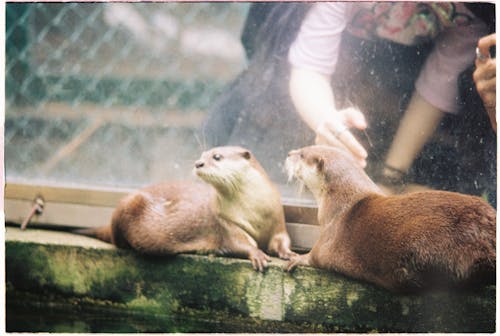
pixel 199 164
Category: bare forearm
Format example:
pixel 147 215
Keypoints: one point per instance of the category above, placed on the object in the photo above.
pixel 312 96
pixel 416 127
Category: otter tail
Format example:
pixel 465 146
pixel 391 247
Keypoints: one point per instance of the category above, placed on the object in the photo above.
pixel 102 233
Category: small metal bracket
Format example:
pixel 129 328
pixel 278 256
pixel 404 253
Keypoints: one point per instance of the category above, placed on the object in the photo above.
pixel 37 209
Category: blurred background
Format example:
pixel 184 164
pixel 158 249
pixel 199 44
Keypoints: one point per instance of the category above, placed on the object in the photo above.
pixel 117 94
pixel 111 93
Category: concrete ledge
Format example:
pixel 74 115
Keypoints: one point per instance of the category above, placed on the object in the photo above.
pixel 47 268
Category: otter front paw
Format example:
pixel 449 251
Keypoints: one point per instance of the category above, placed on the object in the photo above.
pixel 259 260
pixel 298 260
pixel 287 254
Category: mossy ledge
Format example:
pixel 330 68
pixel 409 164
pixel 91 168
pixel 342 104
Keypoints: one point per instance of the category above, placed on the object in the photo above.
pixel 47 270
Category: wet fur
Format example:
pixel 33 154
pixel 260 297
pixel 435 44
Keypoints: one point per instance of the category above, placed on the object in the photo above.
pixel 403 243
pixel 238 212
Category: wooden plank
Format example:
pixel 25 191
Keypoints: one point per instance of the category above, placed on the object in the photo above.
pixel 300 214
pixel 109 197
pixel 92 206
pixel 303 236
pixel 83 195
pixel 65 215
pixel 58 214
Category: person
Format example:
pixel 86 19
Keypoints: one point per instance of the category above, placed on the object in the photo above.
pixel 313 57
pixel 254 110
pixel 372 74
pixel 485 76
pixel 481 107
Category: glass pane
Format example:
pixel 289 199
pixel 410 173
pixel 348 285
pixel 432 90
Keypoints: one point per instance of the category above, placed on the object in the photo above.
pixel 127 94
pixel 113 94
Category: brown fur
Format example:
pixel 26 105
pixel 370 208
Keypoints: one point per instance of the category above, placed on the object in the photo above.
pixel 177 217
pixel 403 243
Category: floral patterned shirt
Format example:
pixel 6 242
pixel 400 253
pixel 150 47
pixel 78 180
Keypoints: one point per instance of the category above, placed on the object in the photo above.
pixel 453 28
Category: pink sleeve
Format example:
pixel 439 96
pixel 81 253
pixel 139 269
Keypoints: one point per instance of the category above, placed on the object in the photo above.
pixel 454 51
pixel 316 47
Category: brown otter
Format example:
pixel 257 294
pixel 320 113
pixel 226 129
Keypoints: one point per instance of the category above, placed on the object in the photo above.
pixel 238 213
pixel 403 243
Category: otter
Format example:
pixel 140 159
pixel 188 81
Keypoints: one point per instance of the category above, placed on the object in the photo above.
pixel 404 243
pixel 236 212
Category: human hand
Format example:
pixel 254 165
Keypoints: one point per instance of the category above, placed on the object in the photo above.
pixel 334 131
pixel 485 76
pixel 312 95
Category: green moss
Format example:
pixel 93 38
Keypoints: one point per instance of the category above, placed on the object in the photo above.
pixel 206 286
pixel 324 298
pixel 264 294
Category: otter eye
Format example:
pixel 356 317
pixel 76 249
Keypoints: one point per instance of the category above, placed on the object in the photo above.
pixel 217 157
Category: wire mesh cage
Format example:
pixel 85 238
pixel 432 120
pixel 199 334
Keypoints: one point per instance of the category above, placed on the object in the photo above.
pixel 112 93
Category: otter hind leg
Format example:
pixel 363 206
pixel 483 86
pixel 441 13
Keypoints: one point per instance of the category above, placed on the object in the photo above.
pixel 127 217
pixel 405 280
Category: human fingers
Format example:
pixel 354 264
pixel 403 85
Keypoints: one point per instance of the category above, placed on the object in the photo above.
pixel 489 101
pixel 487 85
pixel 484 69
pixel 324 137
pixel 343 140
pixel 348 139
pixel 483 48
pixel 341 133
pixel 354 118
pixel 485 43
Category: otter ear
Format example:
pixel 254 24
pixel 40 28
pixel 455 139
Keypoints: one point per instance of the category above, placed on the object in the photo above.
pixel 320 163
pixel 246 154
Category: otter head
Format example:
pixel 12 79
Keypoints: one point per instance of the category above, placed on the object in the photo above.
pixel 307 165
pixel 226 167
pixel 326 168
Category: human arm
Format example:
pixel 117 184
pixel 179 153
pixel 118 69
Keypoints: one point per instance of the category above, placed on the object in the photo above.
pixel 313 98
pixel 485 77
pixel 435 92
pixel 313 57
pixel 415 128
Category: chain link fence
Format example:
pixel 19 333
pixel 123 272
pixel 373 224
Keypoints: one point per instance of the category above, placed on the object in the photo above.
pixel 112 93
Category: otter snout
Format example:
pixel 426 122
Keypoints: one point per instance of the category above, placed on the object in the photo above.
pixel 294 156
pixel 294 152
pixel 199 168
pixel 291 163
